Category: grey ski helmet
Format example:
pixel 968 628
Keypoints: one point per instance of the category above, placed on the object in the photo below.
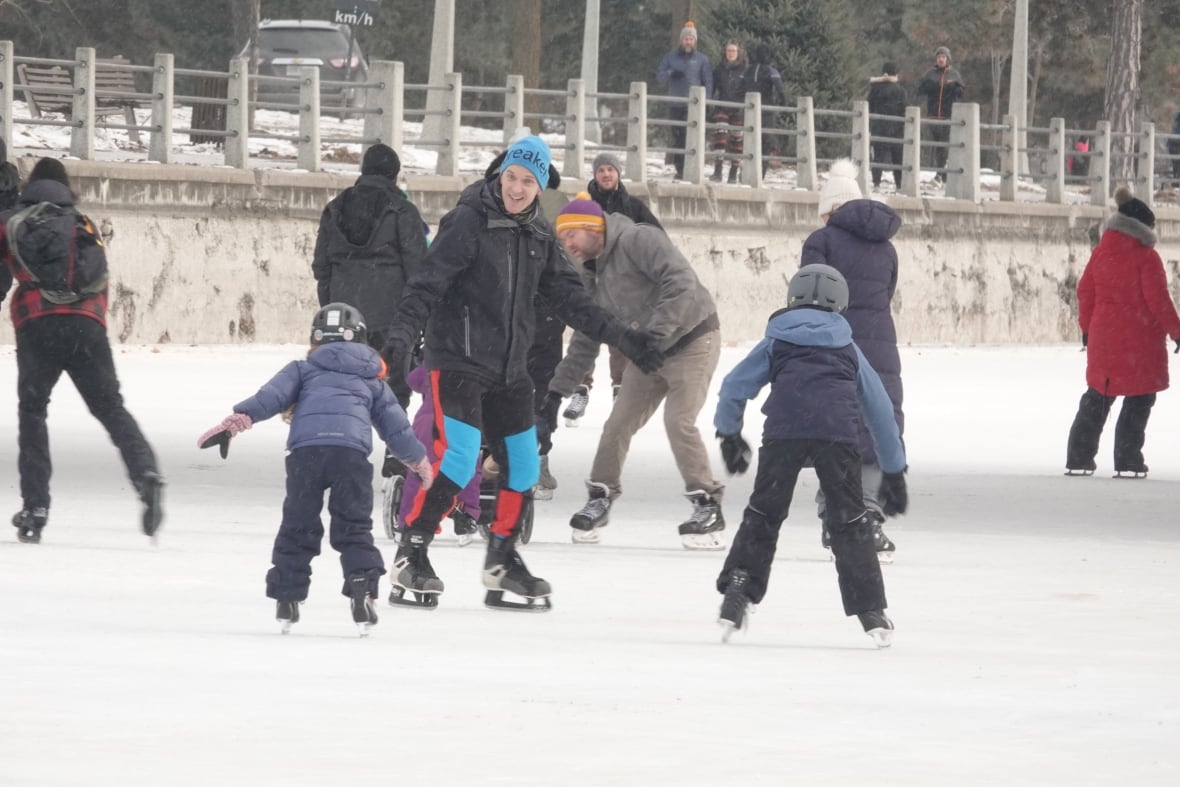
pixel 818 287
pixel 338 322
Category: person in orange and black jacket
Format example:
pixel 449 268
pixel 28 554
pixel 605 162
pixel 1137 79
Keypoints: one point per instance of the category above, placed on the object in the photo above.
pixel 942 86
pixel 52 338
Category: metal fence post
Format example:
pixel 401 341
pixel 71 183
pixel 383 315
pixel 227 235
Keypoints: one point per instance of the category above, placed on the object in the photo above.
pixel 1147 160
pixel 1100 164
pixel 160 137
pixel 911 152
pixel 962 177
pixel 237 115
pixel 1054 178
pixel 637 132
pixel 513 106
pixel 860 152
pixel 806 177
pixel 308 146
pixel 448 154
pixel 752 168
pixel 82 134
pixel 389 97
pixel 6 91
pixel 575 129
pixel 1009 156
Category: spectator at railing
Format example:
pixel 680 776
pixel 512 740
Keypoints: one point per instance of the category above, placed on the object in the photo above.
pixel 764 78
pixel 729 84
pixel 681 69
pixel 887 97
pixel 942 86
pixel 1174 147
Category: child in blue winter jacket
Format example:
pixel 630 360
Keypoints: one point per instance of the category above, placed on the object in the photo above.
pixel 339 397
pixel 820 388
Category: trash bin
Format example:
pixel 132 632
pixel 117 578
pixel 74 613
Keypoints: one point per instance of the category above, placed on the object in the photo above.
pixel 210 117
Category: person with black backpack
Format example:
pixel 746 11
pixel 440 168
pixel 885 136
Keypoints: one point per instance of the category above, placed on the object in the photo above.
pixel 58 260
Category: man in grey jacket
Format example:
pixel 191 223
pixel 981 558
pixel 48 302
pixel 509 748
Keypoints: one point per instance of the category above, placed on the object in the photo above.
pixel 637 274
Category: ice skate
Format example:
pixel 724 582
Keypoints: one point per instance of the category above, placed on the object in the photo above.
pixel 29 524
pixel 465 526
pixel 504 572
pixel 878 626
pixel 1131 472
pixel 546 483
pixel 392 489
pixel 150 487
pixel 594 515
pixel 1087 468
pixel 885 548
pixel 364 613
pixel 413 574
pixel 577 406
pixel 287 614
pixel 735 606
pixel 700 531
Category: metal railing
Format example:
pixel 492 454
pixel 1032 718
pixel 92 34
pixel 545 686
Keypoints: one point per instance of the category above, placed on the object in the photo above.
pixel 634 125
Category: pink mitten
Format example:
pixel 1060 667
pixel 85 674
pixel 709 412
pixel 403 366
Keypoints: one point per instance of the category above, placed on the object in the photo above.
pixel 424 471
pixel 219 436
pixel 236 423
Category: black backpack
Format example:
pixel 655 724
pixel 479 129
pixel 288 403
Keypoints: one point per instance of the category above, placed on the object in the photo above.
pixel 60 250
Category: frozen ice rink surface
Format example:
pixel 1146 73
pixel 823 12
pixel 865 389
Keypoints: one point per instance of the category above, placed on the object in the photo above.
pixel 1038 616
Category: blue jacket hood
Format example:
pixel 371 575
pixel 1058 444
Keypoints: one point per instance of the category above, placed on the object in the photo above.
pixel 347 357
pixel 865 218
pixel 809 328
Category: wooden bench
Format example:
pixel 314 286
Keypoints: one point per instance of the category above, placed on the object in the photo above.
pixel 109 76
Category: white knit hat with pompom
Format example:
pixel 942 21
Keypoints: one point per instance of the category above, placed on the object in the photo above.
pixel 841 186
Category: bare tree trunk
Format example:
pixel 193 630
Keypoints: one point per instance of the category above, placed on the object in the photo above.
pixel 244 18
pixel 1122 86
pixel 526 51
pixel 1035 78
pixel 683 11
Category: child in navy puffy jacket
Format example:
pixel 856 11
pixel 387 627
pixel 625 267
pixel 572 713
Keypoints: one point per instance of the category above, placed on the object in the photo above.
pixel 821 387
pixel 339 397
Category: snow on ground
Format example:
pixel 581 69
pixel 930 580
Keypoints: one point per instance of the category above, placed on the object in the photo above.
pixel 1036 615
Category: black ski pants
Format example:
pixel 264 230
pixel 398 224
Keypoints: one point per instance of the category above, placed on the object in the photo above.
pixel 347 476
pixel 837 465
pixel 77 345
pixel 1129 431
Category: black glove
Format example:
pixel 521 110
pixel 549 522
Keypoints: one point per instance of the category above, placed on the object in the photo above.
pixel 397 359
pixel 676 73
pixel 1085 339
pixel 893 495
pixel 735 451
pixel 642 350
pixel 547 421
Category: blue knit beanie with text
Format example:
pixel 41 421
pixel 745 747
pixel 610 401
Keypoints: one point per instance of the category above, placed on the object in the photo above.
pixel 532 153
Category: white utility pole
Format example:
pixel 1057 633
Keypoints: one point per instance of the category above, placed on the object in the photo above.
pixel 1018 87
pixel 442 62
pixel 590 70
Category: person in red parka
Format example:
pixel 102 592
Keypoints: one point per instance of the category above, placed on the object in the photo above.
pixel 1126 315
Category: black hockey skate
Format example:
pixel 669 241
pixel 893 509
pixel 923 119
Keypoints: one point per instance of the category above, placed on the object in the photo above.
pixel 594 515
pixel 287 614
pixel 1086 468
pixel 413 574
pixel 735 605
pixel 465 525
pixel 364 613
pixel 391 501
pixel 885 548
pixel 577 406
pixel 29 524
pixel 878 626
pixel 1139 471
pixel 702 529
pixel 504 572
pixel 546 483
pixel 150 488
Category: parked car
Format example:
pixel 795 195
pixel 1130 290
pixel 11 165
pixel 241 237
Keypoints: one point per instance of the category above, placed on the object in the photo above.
pixel 286 45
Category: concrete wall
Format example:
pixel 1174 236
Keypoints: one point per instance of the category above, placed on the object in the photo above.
pixel 216 255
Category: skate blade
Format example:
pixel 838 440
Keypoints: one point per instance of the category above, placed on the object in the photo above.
pixel 1079 472
pixel 542 493
pixel 465 538
pixel 398 598
pixel 285 626
pixel 584 536
pixel 364 628
pixel 1129 474
pixel 885 558
pixel 882 638
pixel 495 600
pixel 571 422
pixel 704 542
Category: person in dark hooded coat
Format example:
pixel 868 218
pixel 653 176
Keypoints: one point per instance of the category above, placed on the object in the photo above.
pixel 856 241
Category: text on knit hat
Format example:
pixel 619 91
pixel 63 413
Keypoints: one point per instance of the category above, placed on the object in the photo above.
pixel 532 153
pixel 580 213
